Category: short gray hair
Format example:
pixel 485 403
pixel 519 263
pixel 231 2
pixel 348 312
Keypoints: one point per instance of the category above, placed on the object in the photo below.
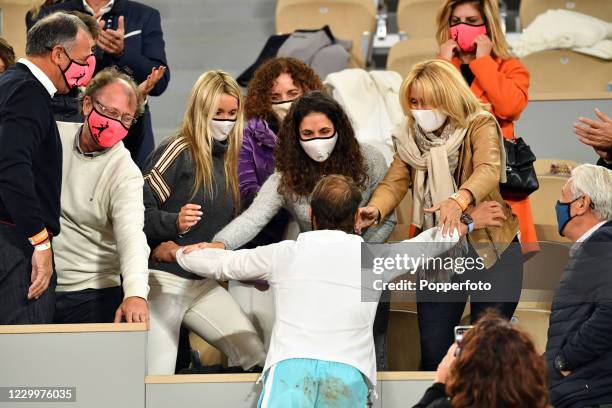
pixel 55 29
pixel 595 182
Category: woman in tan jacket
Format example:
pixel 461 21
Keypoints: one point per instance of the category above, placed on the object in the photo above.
pixel 449 152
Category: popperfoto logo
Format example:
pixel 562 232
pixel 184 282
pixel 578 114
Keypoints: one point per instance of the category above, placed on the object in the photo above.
pixel 436 272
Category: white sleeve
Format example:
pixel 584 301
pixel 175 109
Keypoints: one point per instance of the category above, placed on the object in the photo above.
pixel 127 219
pixel 429 244
pixel 220 264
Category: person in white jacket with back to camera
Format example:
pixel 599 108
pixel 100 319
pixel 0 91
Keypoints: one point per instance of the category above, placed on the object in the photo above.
pixel 322 350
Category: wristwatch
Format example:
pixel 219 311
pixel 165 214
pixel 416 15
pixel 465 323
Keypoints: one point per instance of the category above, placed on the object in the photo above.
pixel 467 220
pixel 559 363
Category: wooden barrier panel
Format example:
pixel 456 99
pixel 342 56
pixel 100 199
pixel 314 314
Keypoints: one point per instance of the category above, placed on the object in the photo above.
pixel 102 364
pixel 546 124
pixel 395 390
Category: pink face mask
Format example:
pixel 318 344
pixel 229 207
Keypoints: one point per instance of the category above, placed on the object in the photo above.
pixel 465 34
pixel 106 132
pixel 79 74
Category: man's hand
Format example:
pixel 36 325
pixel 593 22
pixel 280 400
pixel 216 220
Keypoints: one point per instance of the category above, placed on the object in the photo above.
pixel 112 41
pixel 595 133
pixel 134 309
pixel 165 252
pixel 487 214
pixel 366 216
pixel 42 270
pixel 203 245
pixel 148 84
pixel 446 364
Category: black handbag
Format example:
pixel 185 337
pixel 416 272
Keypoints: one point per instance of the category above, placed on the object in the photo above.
pixel 521 179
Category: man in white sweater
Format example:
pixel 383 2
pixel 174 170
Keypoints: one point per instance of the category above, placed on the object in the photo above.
pixel 322 350
pixel 101 256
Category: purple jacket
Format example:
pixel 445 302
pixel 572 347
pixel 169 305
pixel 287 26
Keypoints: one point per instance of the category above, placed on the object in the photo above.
pixel 256 162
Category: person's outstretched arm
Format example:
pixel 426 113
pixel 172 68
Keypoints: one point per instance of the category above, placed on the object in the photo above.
pixel 220 264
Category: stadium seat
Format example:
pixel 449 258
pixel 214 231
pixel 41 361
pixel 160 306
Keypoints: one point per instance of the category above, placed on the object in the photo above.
pixel 535 323
pixel 530 9
pixel 543 207
pixel 209 355
pixel 404 341
pixel 554 167
pixel 404 54
pixel 417 18
pixel 543 271
pixel 566 71
pixel 348 20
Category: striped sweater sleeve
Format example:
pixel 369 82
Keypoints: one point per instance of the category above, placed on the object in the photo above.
pixel 161 171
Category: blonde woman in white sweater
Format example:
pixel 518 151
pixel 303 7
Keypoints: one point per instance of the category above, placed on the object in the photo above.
pixel 101 254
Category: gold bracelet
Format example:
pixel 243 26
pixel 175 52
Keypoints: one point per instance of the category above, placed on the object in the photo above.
pixel 461 201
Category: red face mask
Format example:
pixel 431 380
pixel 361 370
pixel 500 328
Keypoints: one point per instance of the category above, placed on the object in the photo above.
pixel 465 34
pixel 106 131
pixel 79 74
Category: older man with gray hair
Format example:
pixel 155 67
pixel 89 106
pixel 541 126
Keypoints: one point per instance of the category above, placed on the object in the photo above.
pixel 579 349
pixel 58 57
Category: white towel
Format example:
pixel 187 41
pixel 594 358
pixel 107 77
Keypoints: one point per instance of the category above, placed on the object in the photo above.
pixel 561 29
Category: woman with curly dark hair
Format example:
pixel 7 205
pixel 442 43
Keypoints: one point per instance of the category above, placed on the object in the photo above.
pixel 495 365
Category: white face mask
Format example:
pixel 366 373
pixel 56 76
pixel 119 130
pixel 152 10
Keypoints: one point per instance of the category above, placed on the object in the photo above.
pixel 319 149
pixel 429 120
pixel 280 109
pixel 221 128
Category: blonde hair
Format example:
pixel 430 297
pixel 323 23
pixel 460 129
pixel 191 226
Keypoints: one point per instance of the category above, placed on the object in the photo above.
pixel 443 88
pixel 201 108
pixel 489 10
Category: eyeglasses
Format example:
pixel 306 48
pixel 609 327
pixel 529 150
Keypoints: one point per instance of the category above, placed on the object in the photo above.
pixel 127 120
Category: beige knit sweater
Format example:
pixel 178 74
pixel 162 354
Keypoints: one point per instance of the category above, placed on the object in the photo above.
pixel 102 218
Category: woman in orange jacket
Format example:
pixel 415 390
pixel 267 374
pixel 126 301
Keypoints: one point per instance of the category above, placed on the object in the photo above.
pixel 471 38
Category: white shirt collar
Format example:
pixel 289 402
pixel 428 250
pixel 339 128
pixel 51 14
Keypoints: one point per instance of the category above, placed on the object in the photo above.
pixel 40 75
pixel 103 10
pixel 590 232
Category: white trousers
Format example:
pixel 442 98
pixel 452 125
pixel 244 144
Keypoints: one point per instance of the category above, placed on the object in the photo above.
pixel 258 306
pixel 205 308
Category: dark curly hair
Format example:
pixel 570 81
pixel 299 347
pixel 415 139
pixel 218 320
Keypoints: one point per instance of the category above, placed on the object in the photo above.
pixel 258 103
pixel 299 173
pixel 498 367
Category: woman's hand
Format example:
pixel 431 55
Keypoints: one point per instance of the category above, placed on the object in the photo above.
pixel 484 45
pixel 445 366
pixel 366 216
pixel 450 215
pixel 165 252
pixel 447 49
pixel 189 216
pixel 203 245
pixel 487 214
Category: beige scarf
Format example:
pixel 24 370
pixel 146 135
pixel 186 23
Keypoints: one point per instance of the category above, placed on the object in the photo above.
pixel 435 159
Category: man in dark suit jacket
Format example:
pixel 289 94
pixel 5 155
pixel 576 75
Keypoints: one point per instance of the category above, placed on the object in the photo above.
pixel 132 39
pixel 579 348
pixel 58 49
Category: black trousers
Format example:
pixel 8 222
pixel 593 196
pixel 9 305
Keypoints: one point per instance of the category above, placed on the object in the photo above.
pixel 439 313
pixel 15 280
pixel 88 305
